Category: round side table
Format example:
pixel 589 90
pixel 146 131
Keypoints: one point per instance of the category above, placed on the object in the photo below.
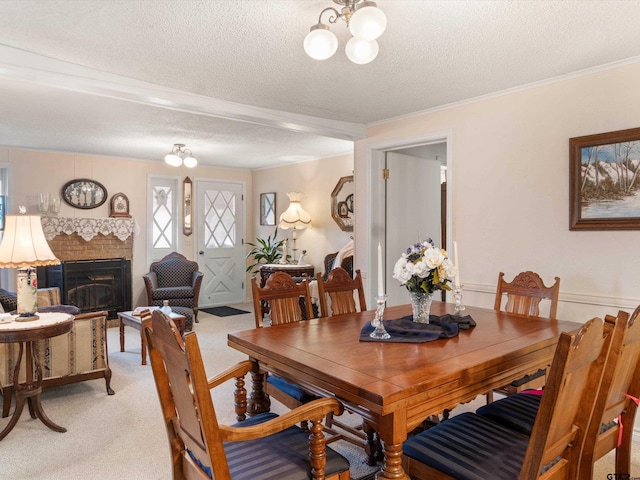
pixel 26 333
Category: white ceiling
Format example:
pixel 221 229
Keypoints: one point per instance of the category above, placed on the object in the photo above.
pixel 230 78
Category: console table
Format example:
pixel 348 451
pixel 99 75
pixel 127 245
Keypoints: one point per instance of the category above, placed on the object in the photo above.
pixel 293 270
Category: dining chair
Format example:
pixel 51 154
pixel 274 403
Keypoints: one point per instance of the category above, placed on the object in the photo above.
pixel 337 297
pixel 470 446
pixel 612 424
pixel 266 446
pixel 284 296
pixel 337 293
pixel 524 295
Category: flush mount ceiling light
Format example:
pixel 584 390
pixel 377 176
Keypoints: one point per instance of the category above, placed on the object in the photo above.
pixel 365 21
pixel 180 155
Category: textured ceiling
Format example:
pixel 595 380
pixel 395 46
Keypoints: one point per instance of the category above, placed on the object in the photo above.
pixel 249 53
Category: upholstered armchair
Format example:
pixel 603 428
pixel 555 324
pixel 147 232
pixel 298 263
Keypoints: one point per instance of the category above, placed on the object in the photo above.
pixel 176 279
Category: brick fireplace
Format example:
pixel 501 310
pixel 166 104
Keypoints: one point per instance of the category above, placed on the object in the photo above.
pixel 95 255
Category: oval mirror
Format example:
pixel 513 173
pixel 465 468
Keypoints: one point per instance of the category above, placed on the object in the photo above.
pixel 84 193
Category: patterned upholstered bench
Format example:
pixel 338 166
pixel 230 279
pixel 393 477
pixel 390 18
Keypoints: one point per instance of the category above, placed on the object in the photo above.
pixel 78 355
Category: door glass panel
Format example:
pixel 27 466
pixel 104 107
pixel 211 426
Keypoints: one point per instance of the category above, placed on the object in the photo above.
pixel 162 217
pixel 220 219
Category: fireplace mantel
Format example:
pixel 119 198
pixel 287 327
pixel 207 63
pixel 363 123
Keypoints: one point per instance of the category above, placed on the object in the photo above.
pixel 87 228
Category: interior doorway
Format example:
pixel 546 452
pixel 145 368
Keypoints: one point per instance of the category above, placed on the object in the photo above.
pixel 415 202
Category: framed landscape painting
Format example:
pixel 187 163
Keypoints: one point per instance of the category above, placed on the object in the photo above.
pixel 604 181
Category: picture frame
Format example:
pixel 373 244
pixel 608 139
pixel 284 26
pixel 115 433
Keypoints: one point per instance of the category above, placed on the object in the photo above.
pixel 119 206
pixel 604 176
pixel 268 208
pixel 84 193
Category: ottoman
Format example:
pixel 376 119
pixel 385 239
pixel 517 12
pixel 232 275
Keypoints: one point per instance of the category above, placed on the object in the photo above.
pixel 188 314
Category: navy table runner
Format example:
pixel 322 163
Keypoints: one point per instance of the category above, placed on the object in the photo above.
pixel 405 330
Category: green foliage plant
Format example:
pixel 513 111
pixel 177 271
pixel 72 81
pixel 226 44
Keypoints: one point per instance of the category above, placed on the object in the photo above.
pixel 265 251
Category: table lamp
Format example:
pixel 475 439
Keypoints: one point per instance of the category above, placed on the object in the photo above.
pixel 294 217
pixel 24 247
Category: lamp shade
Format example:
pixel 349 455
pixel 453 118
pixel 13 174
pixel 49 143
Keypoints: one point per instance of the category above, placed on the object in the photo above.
pixel 295 216
pixel 24 244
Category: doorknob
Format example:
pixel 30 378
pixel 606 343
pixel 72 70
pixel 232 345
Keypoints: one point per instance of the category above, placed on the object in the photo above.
pixel 201 252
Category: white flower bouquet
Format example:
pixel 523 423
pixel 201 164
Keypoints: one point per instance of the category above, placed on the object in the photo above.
pixel 423 268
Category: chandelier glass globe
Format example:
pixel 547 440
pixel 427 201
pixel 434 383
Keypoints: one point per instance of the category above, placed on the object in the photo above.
pixel 361 51
pixel 368 22
pixel 190 162
pixel 320 43
pixel 173 160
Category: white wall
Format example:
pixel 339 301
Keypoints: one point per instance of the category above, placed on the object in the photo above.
pixel 316 180
pixel 511 190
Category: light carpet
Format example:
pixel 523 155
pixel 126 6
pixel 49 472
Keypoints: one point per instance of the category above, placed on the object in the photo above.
pixel 123 436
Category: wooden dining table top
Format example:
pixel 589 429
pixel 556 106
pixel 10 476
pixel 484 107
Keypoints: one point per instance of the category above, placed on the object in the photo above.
pixel 395 386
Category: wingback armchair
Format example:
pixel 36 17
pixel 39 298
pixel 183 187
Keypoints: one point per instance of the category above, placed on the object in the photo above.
pixel 176 279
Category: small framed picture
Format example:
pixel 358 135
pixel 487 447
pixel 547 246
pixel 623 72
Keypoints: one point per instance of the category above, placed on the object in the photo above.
pixel 268 208
pixel 119 205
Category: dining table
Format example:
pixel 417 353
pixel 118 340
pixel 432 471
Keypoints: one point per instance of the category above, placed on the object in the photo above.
pixel 396 386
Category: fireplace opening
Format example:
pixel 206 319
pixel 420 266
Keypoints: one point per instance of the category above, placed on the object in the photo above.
pixel 92 285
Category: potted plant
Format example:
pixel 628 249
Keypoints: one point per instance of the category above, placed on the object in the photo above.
pixel 265 251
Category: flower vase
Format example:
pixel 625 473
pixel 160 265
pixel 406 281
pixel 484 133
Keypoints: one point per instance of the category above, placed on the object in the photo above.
pixel 421 305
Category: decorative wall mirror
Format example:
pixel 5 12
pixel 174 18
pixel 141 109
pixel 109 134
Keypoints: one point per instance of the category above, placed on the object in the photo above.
pixel 268 208
pixel 84 193
pixel 186 206
pixel 342 203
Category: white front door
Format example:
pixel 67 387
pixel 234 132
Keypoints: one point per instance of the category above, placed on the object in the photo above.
pixel 220 213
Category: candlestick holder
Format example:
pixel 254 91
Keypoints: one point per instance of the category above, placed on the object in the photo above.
pixel 379 333
pixel 457 293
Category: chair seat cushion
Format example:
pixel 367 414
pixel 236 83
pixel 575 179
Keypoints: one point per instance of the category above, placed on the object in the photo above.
pixel 290 389
pixel 168 293
pixel 470 447
pixel 517 412
pixel 282 456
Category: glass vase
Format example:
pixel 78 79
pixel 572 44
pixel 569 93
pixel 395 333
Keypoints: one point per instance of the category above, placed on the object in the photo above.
pixel 421 305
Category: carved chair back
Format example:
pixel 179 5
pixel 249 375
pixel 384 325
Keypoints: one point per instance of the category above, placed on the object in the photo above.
pixel 524 294
pixel 339 289
pixel 283 296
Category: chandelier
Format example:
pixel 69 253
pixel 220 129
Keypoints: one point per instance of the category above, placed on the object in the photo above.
pixel 180 155
pixel 365 21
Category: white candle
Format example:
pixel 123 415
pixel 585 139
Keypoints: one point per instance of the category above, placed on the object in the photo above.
pixel 456 264
pixel 380 270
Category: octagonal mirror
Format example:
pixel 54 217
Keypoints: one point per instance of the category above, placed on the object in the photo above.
pixel 342 199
